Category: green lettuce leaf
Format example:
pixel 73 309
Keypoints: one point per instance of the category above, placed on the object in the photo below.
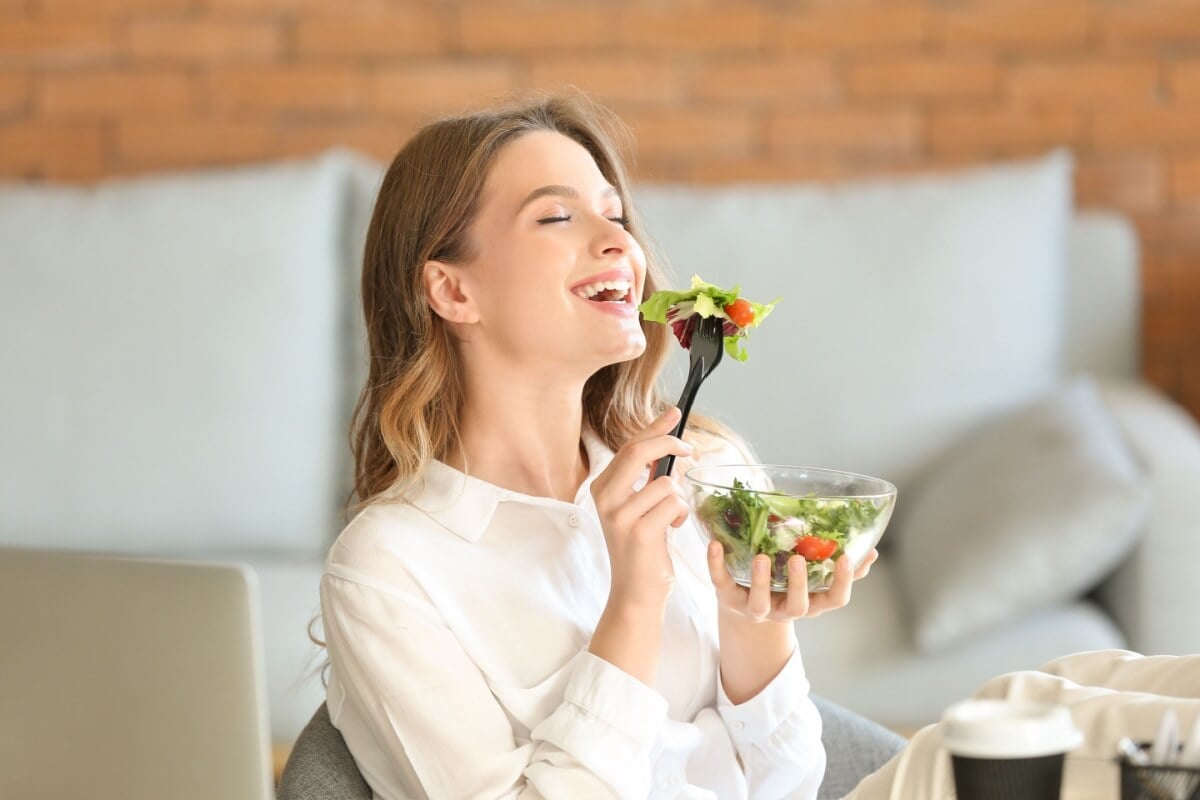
pixel 706 300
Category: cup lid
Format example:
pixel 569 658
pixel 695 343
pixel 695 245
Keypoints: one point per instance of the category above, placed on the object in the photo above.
pixel 1007 729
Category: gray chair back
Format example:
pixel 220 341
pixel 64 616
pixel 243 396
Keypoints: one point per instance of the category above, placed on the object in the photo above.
pixel 320 766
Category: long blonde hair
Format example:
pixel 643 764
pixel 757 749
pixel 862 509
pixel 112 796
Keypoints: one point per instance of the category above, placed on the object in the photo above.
pixel 407 414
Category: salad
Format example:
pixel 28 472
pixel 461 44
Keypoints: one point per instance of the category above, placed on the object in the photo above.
pixel 684 310
pixel 748 522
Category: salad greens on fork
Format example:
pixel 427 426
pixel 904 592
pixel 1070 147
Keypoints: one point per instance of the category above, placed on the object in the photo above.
pixel 701 318
pixel 683 311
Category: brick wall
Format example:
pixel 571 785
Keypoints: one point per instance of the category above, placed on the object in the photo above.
pixel 716 91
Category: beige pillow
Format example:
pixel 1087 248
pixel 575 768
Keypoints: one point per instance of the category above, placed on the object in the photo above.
pixel 1033 510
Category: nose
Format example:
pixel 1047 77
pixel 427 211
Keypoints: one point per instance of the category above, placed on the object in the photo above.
pixel 611 239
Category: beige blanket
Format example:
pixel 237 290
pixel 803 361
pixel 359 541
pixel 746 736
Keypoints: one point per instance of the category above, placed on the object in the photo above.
pixel 1111 693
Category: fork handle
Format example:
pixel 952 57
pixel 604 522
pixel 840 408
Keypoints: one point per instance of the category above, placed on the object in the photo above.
pixel 686 398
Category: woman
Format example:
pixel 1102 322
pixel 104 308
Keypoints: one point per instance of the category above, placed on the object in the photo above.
pixel 515 611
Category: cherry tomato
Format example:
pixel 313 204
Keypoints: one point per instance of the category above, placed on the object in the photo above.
pixel 814 548
pixel 740 312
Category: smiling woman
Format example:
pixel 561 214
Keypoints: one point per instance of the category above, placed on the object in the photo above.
pixel 503 446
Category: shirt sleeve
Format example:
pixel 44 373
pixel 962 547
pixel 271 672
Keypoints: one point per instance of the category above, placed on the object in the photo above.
pixel 777 734
pixel 426 707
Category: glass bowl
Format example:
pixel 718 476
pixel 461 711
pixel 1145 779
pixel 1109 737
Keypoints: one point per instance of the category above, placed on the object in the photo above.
pixel 780 510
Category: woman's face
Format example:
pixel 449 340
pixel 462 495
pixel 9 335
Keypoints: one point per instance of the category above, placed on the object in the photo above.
pixel 555 278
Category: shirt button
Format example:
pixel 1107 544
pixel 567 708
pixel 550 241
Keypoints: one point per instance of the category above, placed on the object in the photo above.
pixel 737 726
pixel 573 520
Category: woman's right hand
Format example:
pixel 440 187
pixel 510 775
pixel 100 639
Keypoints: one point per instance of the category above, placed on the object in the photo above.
pixel 635 522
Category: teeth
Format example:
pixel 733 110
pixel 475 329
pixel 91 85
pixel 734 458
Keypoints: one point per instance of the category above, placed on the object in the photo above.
pixel 590 290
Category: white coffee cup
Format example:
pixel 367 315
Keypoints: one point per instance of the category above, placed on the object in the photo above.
pixel 1005 749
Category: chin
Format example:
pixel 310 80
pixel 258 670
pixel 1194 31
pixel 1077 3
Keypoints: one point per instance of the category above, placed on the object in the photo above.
pixel 633 347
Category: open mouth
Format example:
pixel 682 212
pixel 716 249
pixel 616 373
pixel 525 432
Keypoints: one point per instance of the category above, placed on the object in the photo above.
pixel 615 291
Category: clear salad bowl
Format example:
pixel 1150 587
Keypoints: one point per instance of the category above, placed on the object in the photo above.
pixel 780 511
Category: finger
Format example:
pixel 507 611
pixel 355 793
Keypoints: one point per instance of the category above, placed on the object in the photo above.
pixel 633 458
pixel 797 593
pixel 654 523
pixel 865 567
pixel 682 465
pixel 727 589
pixel 650 495
pixel 758 604
pixel 843 581
pixel 683 516
pixel 665 423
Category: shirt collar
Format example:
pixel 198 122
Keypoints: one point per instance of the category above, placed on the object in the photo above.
pixel 465 505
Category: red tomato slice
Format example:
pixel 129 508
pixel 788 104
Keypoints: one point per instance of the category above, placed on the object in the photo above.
pixel 740 312
pixel 814 548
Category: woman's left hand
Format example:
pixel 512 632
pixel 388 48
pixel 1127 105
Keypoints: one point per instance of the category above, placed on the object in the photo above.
pixel 760 604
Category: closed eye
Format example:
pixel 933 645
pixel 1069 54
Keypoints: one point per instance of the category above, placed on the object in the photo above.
pixel 622 221
pixel 551 220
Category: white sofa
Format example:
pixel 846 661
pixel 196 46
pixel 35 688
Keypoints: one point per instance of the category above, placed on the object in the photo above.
pixel 183 351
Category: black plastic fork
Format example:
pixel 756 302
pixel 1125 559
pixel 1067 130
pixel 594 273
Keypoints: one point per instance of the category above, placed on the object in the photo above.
pixel 708 343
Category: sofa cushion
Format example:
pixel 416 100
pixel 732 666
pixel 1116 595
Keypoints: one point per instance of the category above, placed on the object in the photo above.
pixel 862 656
pixel 1033 510
pixel 913 308
pixel 172 375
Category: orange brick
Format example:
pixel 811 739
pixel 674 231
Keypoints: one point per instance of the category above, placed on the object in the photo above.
pixel 109 9
pixel 1087 83
pixel 495 28
pixel 1171 325
pixel 55 42
pixel 845 131
pixel 1015 26
pixel 853 27
pixel 112 93
pixel 51 151
pixel 143 144
pixel 706 30
pixel 905 166
pixel 1184 80
pixel 764 170
pixel 1189 395
pixel 785 81
pixel 1185 278
pixel 262 8
pixel 203 41
pixel 1150 22
pixel 1147 128
pixel 377 138
pixel 300 87
pixel 618 80
pixel 684 135
pixel 398 33
pixel 1002 130
pixel 1185 179
pixel 438 88
pixel 926 77
pixel 1160 368
pixel 1133 183
pixel 1174 229
pixel 14 93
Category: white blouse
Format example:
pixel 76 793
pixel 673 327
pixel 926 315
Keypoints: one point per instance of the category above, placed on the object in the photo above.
pixel 458 628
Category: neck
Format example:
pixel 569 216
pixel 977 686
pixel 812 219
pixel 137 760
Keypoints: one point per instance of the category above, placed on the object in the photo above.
pixel 524 437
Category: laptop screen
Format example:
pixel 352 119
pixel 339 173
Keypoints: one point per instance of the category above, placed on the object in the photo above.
pixel 130 678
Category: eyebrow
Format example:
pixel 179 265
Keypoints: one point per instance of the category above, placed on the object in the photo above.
pixel 557 190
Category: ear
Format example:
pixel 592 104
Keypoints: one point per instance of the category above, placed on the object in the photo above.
pixel 445 292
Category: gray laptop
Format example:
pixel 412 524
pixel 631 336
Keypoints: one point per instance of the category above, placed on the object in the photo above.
pixel 130 679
